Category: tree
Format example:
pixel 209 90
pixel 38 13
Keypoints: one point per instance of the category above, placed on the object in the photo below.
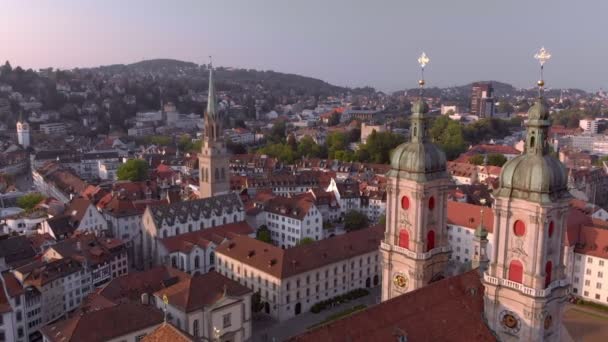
pixel 378 147
pixel 306 241
pixel 263 234
pixel 496 159
pixel 477 159
pixel 355 220
pixel 336 141
pixel 277 133
pixel 292 143
pixel 334 119
pixel 448 134
pixel 29 201
pixel 134 170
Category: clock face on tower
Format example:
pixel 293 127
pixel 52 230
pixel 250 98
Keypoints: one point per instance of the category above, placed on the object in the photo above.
pixel 510 322
pixel 400 281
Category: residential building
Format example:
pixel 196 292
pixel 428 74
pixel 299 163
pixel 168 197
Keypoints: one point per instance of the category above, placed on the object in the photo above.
pixel 589 125
pixel 54 129
pixel 104 258
pixel 366 130
pixel 57 181
pixel 482 101
pixel 292 219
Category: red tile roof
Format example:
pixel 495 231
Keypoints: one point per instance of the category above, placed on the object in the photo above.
pixel 187 294
pixel 282 263
pixel 202 238
pixel 167 332
pixel 448 310
pixel 469 215
pixel 130 287
pixel 104 324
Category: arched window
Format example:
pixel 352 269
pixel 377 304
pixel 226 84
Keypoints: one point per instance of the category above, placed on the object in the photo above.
pixel 548 271
pixel 176 231
pixel 223 173
pixel 430 240
pixel 519 228
pixel 197 263
pixel 404 238
pixel 202 225
pixel 432 203
pixel 532 141
pixel 189 227
pixel 165 234
pixel 195 328
pixel 211 258
pixel 213 223
pixel 551 228
pixel 206 174
pixel 405 203
pixel 234 218
pixel 516 271
pixel 217 173
pixel 224 221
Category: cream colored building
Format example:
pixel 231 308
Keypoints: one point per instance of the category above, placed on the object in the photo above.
pixel 209 306
pixel 291 281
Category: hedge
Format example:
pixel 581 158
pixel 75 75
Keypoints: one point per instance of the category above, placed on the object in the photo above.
pixel 328 303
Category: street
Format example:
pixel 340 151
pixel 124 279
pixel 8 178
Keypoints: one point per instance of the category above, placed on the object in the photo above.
pixel 267 329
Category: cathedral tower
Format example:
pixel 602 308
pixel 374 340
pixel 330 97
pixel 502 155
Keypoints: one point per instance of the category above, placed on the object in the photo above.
pixel 526 287
pixel 214 158
pixel 415 249
pixel 23 132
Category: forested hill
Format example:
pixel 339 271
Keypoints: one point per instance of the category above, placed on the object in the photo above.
pixel 270 80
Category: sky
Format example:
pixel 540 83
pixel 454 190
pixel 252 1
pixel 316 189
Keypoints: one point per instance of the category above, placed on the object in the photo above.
pixel 344 42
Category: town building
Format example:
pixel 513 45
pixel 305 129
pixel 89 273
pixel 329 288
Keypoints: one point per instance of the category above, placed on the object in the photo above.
pixel 163 221
pixel 57 181
pixel 292 219
pixel 482 100
pixel 23 132
pixel 589 125
pixel 221 312
pixel 290 281
pixel 194 252
pixel 366 130
pixel 53 129
pixel 123 322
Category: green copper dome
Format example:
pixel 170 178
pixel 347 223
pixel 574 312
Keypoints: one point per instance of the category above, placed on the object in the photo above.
pixel 534 178
pixel 481 232
pixel 535 175
pixel 538 111
pixel 419 159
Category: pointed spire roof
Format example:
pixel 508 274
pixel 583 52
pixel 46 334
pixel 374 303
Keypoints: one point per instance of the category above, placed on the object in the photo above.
pixel 211 101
